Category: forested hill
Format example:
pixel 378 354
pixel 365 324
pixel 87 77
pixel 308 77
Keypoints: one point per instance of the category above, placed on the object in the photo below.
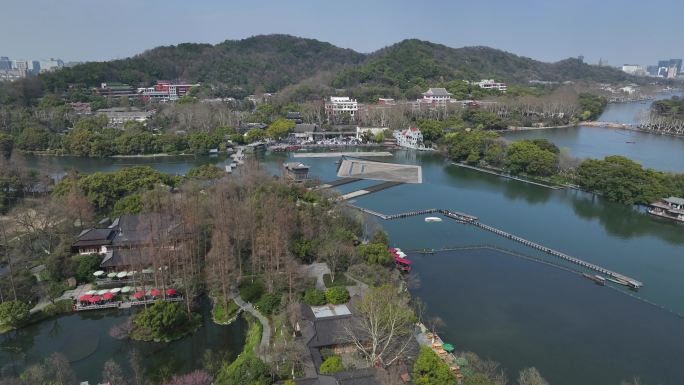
pixel 417 63
pixel 268 62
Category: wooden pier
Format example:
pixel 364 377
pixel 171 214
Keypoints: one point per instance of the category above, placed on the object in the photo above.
pixel 472 220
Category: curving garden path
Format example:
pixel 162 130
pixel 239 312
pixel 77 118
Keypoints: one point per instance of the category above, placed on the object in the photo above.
pixel 266 325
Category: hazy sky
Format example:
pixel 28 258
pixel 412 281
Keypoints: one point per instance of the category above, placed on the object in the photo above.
pixel 618 31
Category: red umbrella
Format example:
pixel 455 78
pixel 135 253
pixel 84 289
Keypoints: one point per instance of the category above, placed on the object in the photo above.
pixel 108 296
pixel 155 293
pixel 86 297
pixel 392 250
pixel 171 292
pixel 94 299
pixel 139 295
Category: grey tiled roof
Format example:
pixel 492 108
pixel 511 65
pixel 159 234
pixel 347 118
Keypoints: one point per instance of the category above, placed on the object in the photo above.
pixel 437 92
pixel 675 200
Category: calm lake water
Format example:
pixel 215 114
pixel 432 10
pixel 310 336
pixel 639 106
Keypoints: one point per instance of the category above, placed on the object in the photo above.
pixel 523 313
pixel 84 339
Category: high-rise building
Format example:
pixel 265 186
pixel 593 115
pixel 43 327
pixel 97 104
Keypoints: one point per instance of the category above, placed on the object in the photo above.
pixel 669 68
pixel 35 67
pixel 5 63
pixel 20 65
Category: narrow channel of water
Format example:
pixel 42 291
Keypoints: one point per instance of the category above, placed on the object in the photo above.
pixel 660 152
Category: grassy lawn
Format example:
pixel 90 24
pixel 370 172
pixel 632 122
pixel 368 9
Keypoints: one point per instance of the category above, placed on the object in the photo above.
pixel 340 280
pixel 221 315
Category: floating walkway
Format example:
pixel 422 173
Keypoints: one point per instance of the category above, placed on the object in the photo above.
pixel 472 220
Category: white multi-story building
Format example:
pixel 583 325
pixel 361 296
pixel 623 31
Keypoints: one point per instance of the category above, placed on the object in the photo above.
pixel 51 65
pixel 341 105
pixel 634 69
pixel 491 84
pixel 410 138
pixel 436 96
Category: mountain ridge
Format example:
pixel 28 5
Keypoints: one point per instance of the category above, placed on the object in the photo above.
pixel 271 62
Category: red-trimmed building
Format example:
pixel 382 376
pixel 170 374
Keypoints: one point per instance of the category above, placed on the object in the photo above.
pixel 165 91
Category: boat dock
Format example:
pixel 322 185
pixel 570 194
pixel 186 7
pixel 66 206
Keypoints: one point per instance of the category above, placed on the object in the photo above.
pixel 472 220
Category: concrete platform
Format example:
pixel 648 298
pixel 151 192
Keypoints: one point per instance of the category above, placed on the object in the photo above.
pixel 389 172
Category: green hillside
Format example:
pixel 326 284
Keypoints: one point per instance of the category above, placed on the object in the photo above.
pixel 267 62
pixel 420 63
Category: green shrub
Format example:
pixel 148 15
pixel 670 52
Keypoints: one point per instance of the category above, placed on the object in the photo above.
pixel 337 295
pixel 14 313
pixel 268 303
pixel 376 253
pixel 314 297
pixel 164 321
pixel 251 291
pixel 331 365
pixel 87 265
pixel 59 307
pixel 207 171
pixel 429 369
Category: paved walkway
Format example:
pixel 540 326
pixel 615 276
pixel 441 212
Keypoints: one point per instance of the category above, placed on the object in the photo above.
pixel 76 292
pixel 266 326
pixel 359 289
pixel 317 270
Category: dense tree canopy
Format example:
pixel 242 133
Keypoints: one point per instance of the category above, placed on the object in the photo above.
pixel 14 313
pixel 104 189
pixel 430 369
pixel 591 105
pixel 623 180
pixel 527 157
pixel 164 321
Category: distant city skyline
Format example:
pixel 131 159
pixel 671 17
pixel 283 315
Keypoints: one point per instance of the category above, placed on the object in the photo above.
pixel 613 31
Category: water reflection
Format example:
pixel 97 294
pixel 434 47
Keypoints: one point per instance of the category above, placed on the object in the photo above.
pixel 523 314
pixel 623 221
pixel 84 339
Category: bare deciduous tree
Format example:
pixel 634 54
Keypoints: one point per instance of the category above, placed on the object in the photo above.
pixel 382 330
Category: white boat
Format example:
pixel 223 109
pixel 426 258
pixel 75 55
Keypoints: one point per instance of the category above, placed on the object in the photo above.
pixel 433 219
